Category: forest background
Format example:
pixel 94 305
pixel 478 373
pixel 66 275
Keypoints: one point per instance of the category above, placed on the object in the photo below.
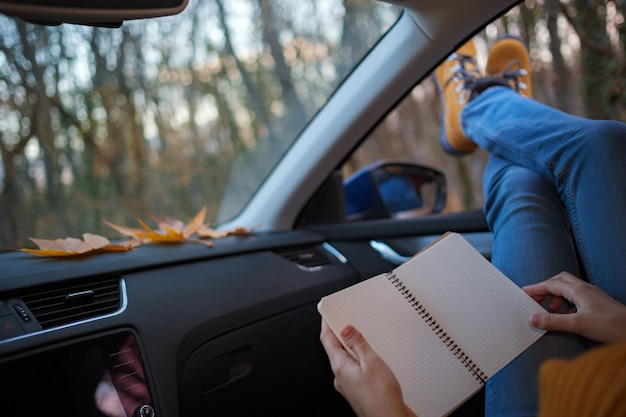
pixel 149 126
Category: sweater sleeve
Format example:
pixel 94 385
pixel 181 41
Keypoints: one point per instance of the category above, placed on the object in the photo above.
pixel 592 384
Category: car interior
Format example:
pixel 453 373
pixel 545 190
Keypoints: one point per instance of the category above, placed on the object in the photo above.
pixel 230 328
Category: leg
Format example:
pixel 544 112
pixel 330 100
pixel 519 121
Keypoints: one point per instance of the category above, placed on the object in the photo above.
pixel 532 242
pixel 582 158
pixel 532 238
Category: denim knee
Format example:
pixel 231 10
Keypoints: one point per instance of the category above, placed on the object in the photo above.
pixel 602 141
pixel 513 189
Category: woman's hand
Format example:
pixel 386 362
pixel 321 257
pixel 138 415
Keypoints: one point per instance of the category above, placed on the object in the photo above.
pixel 366 381
pixel 596 315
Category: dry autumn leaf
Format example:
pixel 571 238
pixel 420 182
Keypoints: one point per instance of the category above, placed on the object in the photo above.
pixel 71 246
pixel 169 230
pixel 172 230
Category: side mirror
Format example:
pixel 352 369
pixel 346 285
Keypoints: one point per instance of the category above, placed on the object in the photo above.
pixel 387 189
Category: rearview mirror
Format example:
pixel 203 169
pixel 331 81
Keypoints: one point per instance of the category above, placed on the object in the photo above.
pixel 92 12
pixel 387 189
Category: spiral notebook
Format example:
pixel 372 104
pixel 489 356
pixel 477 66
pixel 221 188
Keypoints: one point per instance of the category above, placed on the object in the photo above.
pixel 445 322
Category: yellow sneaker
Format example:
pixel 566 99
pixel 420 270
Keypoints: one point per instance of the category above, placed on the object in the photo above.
pixel 509 60
pixel 455 78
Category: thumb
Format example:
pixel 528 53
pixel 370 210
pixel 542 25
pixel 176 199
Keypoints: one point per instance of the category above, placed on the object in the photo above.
pixel 551 321
pixel 355 341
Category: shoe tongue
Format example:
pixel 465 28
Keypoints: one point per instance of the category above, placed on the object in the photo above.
pixel 484 83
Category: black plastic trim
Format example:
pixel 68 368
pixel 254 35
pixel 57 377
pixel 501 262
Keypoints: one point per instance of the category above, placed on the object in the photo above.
pixel 462 222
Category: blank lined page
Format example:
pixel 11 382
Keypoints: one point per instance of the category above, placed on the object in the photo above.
pixel 486 313
pixel 433 381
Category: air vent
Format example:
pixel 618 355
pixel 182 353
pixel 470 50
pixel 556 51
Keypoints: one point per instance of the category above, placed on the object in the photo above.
pixel 310 256
pixel 56 306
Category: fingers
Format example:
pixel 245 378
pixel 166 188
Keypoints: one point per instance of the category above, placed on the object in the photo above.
pixel 556 303
pixel 594 315
pixel 567 277
pixel 331 344
pixel 328 338
pixel 561 285
pixel 355 341
pixel 554 322
pixel 357 346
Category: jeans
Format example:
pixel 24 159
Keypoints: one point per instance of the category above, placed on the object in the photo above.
pixel 555 201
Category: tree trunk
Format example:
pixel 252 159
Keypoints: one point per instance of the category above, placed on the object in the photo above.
pixel 560 80
pixel 296 113
pixel 598 63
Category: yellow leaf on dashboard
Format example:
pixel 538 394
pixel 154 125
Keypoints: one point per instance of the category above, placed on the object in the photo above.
pixel 71 246
pixel 172 230
pixel 163 222
pixel 95 241
pixel 126 231
pixel 169 230
pixel 162 235
pixel 195 224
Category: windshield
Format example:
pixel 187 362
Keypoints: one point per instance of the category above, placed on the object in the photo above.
pixel 164 116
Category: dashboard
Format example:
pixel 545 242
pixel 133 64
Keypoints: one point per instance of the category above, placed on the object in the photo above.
pixel 193 331
pixel 187 330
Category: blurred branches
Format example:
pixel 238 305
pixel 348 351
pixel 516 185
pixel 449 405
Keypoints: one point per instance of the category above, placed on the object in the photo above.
pixel 162 115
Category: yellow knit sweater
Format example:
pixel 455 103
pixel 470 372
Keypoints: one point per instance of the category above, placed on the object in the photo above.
pixel 591 385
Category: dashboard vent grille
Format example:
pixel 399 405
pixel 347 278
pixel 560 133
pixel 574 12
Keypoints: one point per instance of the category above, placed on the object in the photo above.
pixel 56 306
pixel 310 256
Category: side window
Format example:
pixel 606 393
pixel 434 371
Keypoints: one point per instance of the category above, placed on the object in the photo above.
pixel 566 39
pixel 410 133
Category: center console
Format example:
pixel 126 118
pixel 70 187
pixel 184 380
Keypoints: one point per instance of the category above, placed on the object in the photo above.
pixel 104 376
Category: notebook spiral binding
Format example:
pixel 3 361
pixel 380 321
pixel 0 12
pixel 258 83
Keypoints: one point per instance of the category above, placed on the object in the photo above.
pixel 439 331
